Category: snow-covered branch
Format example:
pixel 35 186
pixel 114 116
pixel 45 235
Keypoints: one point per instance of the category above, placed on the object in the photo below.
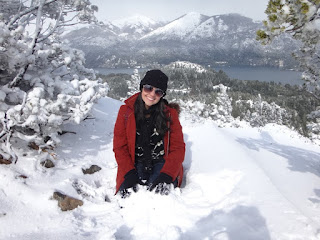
pixel 33 44
pixel 25 12
pixel 300 19
pixel 45 83
pixel 53 29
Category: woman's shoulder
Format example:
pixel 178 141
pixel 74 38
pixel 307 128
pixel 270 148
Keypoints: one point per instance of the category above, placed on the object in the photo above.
pixel 173 107
pixel 131 100
pixel 126 109
pixel 123 108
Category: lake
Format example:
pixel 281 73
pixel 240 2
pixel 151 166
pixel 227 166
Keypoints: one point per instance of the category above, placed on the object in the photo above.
pixel 264 74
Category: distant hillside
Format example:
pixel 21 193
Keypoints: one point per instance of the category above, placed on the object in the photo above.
pixel 223 39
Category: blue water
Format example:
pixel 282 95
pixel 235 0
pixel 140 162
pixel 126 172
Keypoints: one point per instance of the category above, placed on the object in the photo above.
pixel 264 74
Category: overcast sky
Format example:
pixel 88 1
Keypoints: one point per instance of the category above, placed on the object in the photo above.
pixel 171 9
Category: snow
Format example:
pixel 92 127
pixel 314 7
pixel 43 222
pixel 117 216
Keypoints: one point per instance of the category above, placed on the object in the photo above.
pixel 240 183
pixel 205 29
pixel 212 27
pixel 134 20
pixel 2 95
pixel 191 26
pixel 187 65
pixel 180 27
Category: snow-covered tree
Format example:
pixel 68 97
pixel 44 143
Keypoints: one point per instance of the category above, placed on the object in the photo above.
pixel 43 82
pixel 259 113
pixel 313 124
pixel 134 83
pixel 300 18
pixel 221 109
pixel 194 109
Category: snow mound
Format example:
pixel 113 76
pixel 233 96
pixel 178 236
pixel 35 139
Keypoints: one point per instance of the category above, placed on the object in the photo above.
pixel 240 183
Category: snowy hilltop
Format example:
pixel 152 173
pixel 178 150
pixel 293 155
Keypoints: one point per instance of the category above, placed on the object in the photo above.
pixel 240 184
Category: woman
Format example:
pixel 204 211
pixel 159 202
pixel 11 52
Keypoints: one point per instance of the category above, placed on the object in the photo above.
pixel 148 140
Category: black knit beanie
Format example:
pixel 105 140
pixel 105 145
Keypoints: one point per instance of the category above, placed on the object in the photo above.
pixel 155 78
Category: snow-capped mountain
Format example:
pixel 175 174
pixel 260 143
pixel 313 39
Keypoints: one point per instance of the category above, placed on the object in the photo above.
pixel 217 26
pixel 194 27
pixel 94 36
pixel 113 32
pixel 179 28
pixel 229 39
pixel 136 25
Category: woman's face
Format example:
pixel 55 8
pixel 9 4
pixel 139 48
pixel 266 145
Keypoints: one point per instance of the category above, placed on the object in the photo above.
pixel 149 96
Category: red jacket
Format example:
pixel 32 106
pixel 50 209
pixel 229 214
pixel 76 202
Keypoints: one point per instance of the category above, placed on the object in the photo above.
pixel 125 137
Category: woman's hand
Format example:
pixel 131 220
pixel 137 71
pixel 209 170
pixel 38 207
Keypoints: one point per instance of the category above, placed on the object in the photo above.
pixel 131 180
pixel 162 184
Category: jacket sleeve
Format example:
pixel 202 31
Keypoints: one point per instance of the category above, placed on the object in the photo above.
pixel 121 146
pixel 176 151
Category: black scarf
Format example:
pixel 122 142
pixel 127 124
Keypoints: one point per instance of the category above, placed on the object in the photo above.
pixel 145 129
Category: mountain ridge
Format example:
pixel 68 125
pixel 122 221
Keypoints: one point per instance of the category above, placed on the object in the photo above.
pixel 194 37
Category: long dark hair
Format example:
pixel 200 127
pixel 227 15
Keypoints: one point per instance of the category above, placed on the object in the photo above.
pixel 159 114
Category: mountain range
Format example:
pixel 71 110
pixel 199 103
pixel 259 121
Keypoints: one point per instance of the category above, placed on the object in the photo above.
pixel 227 39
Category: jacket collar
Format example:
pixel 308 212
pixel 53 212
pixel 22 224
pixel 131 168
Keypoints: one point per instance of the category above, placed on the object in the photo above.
pixel 131 100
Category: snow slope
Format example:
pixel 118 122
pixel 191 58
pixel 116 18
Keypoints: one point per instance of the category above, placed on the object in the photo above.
pixel 240 184
pixel 180 27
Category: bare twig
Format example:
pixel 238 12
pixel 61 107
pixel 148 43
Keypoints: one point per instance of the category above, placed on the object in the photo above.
pixel 64 132
pixel 88 118
pixel 54 28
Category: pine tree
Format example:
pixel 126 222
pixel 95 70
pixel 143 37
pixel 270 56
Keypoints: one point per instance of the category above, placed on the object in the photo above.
pixel 221 109
pixel 298 18
pixel 43 82
pixel 134 83
pixel 313 124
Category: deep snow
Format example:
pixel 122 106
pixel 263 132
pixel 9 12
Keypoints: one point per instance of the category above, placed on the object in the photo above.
pixel 240 184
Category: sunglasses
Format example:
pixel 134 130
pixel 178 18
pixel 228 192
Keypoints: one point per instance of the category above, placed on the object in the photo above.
pixel 148 89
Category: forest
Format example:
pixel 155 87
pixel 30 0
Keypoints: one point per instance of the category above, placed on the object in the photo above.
pixel 226 99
